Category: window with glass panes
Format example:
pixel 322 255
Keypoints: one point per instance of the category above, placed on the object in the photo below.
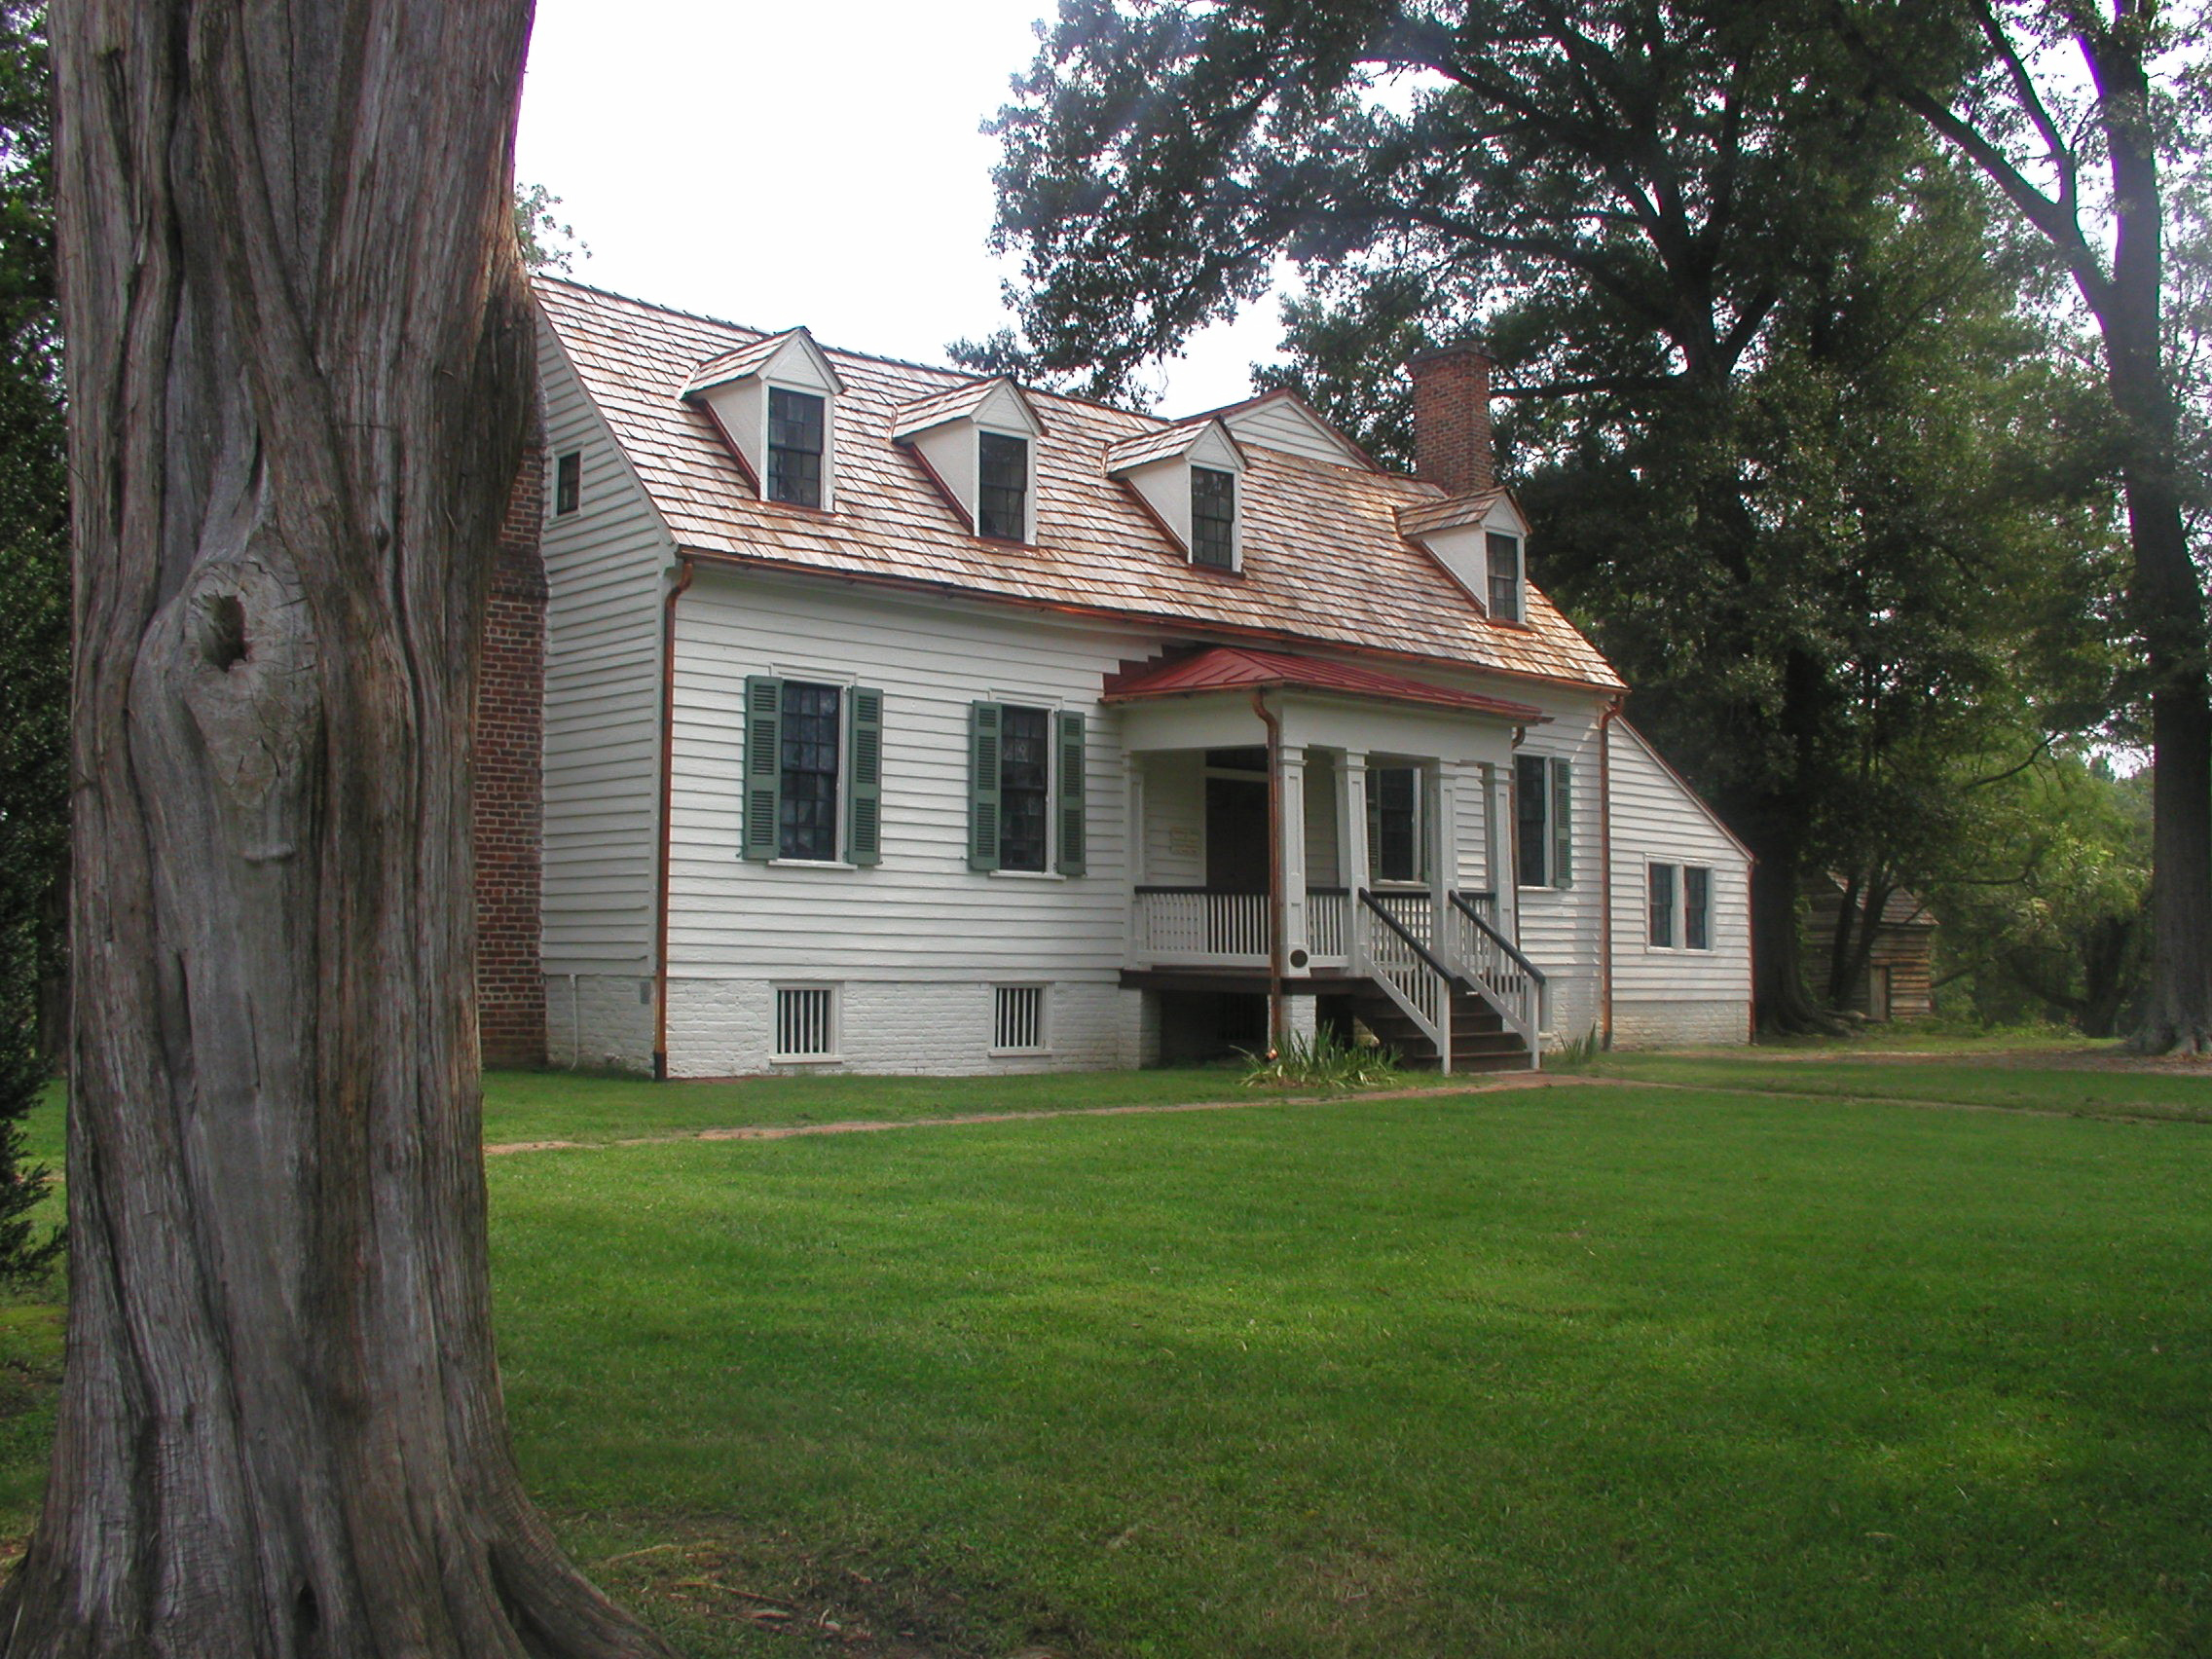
pixel 794 447
pixel 1393 823
pixel 1531 821
pixel 1697 908
pixel 1506 578
pixel 1663 906
pixel 1025 788
pixel 1002 502
pixel 807 824
pixel 1213 517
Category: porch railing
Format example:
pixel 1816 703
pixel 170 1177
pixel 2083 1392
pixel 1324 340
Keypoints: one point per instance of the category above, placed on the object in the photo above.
pixel 1409 974
pixel 1507 980
pixel 1201 924
pixel 1183 925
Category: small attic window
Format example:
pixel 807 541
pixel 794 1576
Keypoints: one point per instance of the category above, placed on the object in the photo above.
pixel 1504 577
pixel 1213 518
pixel 1001 501
pixel 796 425
pixel 567 483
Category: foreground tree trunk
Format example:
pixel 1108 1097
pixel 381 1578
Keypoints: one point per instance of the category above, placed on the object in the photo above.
pixel 298 374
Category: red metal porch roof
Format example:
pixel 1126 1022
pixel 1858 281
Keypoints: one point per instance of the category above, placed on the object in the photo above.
pixel 1234 668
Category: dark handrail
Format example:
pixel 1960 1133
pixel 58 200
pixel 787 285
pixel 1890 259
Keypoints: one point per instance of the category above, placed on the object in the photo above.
pixel 1397 926
pixel 1459 902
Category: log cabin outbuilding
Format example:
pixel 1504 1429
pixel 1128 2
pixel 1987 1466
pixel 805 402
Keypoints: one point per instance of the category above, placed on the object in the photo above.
pixel 898 719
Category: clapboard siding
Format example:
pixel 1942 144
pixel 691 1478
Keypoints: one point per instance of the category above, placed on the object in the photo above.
pixel 921 913
pixel 1656 820
pixel 1560 925
pixel 605 567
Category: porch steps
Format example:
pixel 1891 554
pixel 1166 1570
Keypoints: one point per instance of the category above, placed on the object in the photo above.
pixel 1480 1042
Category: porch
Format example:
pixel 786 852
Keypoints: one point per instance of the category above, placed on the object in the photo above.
pixel 1334 847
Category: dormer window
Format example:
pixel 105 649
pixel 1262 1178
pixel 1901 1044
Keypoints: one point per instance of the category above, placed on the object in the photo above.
pixel 1504 555
pixel 973 443
pixel 1213 518
pixel 1185 475
pixel 796 428
pixel 775 404
pixel 1002 496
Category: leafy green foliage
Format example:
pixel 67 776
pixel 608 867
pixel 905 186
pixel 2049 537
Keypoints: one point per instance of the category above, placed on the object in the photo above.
pixel 547 243
pixel 1323 1060
pixel 34 624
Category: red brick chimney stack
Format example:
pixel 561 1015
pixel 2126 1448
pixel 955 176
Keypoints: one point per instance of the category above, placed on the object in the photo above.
pixel 1452 441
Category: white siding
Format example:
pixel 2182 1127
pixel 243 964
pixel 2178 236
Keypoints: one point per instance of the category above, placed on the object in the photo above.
pixel 605 566
pixel 921 917
pixel 1560 925
pixel 1279 426
pixel 1676 995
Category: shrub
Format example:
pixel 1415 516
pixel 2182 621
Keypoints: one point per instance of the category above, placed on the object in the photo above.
pixel 1323 1060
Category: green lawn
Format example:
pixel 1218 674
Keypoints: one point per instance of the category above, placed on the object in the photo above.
pixel 2176 1094
pixel 1590 1371
pixel 534 1106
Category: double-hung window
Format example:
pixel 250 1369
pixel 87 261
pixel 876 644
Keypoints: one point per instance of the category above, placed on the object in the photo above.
pixel 1395 850
pixel 1002 497
pixel 1543 820
pixel 1504 577
pixel 1681 900
pixel 795 430
pixel 1213 518
pixel 813 759
pixel 1026 790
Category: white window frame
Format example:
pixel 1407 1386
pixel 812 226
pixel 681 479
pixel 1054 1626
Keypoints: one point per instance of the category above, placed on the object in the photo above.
pixel 1680 913
pixel 768 389
pixel 1052 713
pixel 835 995
pixel 1043 994
pixel 1423 850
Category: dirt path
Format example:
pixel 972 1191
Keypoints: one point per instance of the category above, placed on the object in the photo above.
pixel 1492 1085
pixel 868 1125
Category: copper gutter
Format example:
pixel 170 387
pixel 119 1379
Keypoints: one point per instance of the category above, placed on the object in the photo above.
pixel 1605 863
pixel 684 574
pixel 1278 907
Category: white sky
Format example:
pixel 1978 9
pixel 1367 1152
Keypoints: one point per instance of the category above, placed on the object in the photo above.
pixel 813 164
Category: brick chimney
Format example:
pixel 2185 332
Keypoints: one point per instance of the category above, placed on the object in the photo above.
pixel 1451 442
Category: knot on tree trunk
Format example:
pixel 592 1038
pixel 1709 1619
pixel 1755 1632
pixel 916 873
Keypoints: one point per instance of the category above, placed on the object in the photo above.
pixel 235 651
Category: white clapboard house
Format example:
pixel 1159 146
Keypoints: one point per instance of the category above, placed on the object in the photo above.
pixel 902 720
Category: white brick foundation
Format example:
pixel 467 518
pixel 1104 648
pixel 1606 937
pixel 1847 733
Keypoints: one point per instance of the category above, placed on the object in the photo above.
pixel 1671 1024
pixel 726 1028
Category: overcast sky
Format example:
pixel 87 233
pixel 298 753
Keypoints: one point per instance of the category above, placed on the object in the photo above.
pixel 812 163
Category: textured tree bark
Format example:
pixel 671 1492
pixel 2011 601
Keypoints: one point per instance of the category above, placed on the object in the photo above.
pixel 299 359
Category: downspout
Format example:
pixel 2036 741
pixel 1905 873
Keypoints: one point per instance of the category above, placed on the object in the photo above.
pixel 1606 861
pixel 684 570
pixel 1278 918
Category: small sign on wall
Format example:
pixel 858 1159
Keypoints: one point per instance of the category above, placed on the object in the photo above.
pixel 1181 842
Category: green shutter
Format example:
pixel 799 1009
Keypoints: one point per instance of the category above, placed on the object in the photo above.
pixel 983 726
pixel 763 765
pixel 864 804
pixel 1073 827
pixel 1563 824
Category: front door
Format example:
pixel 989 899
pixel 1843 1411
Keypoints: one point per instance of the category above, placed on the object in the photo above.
pixel 1237 834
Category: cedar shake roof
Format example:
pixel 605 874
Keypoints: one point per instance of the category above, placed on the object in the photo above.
pixel 1234 667
pixel 1323 561
pixel 745 360
pixel 1162 444
pixel 1449 512
pixel 957 403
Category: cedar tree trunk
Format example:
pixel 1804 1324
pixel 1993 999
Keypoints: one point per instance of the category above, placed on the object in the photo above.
pixel 299 353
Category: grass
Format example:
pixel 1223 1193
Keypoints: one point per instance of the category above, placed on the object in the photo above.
pixel 536 1106
pixel 1590 1371
pixel 2180 1094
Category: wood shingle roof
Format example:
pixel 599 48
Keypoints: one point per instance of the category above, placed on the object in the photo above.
pixel 1324 561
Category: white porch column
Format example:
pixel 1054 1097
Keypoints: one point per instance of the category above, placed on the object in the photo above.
pixel 1351 823
pixel 1296 945
pixel 1444 856
pixel 1503 870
